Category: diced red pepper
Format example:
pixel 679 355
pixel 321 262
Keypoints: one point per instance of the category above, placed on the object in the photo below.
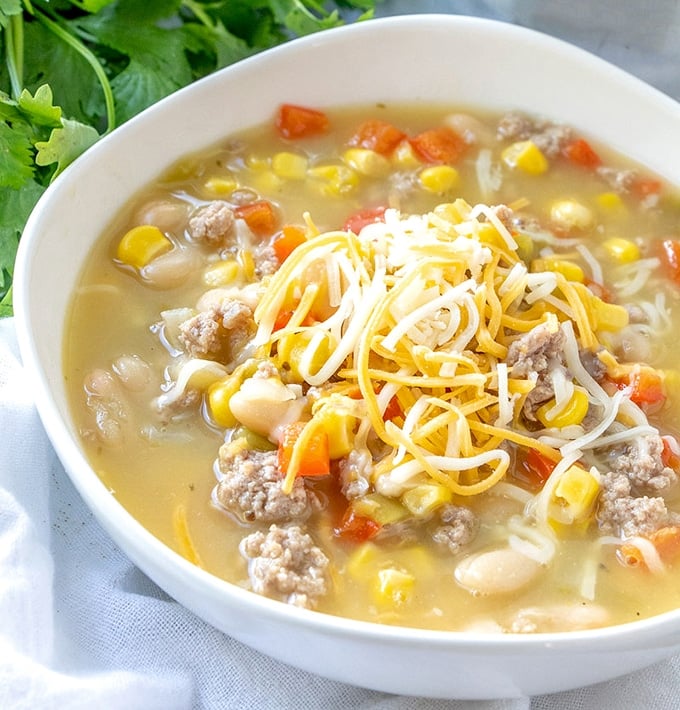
pixel 581 153
pixel 643 187
pixel 438 145
pixel 666 540
pixel 599 290
pixel 671 452
pixel 259 216
pixel 356 528
pixel 647 388
pixel 392 410
pixel 316 460
pixel 356 222
pixel 533 468
pixel 290 238
pixel 300 122
pixel 380 136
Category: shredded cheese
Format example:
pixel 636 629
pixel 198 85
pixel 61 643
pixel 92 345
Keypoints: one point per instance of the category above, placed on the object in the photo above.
pixel 423 309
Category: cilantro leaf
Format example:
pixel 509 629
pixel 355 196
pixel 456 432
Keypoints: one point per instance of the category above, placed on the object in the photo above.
pixel 49 60
pixel 299 18
pixel 65 144
pixel 15 206
pixel 74 68
pixel 137 87
pixel 95 5
pixel 39 107
pixel 7 9
pixel 16 158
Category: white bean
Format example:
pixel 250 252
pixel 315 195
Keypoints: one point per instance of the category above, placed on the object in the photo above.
pixel 166 215
pixel 171 269
pixel 133 372
pixel 496 572
pixel 471 129
pixel 559 617
pixel 262 404
pixel 100 383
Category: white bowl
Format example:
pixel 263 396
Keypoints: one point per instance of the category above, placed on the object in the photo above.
pixel 428 59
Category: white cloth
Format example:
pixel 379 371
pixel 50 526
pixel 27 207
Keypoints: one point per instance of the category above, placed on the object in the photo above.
pixel 81 627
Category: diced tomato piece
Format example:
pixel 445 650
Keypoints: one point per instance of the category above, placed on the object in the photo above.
pixel 580 152
pixel 380 136
pixel 356 528
pixel 438 145
pixel 299 121
pixel 290 238
pixel 356 222
pixel 259 216
pixel 316 459
pixel 533 468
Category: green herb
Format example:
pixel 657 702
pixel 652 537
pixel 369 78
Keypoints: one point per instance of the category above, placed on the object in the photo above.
pixel 75 69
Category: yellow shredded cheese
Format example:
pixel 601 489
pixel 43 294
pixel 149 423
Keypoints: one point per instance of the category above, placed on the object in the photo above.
pixel 424 311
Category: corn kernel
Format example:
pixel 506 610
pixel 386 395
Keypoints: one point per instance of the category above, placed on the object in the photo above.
pixel 380 508
pixel 367 162
pixel 425 498
pixel 576 492
pixel 221 274
pixel 141 245
pixel 266 181
pixel 334 180
pixel 291 166
pixel 292 348
pixel 525 156
pixel 366 555
pixel 607 316
pixel 340 430
pixel 257 162
pixel 405 157
pixel 610 202
pixel 573 412
pixel 220 393
pixel 246 262
pixel 568 269
pixel 394 587
pixel 439 178
pixel 221 185
pixel 622 250
pixel 219 396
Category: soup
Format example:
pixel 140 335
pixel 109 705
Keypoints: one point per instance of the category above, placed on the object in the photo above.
pixel 403 365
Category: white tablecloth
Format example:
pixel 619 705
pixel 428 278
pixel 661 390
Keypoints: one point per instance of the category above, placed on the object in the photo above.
pixel 81 627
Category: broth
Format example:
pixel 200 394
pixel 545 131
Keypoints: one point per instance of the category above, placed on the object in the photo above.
pixel 412 548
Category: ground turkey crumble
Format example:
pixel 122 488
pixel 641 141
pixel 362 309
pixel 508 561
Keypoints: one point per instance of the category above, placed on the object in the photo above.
pixel 285 564
pixel 213 223
pixel 532 355
pixel 636 469
pixel 621 513
pixel 250 487
pixel 458 527
pixel 222 327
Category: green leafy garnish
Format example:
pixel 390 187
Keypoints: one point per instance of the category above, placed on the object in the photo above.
pixel 75 69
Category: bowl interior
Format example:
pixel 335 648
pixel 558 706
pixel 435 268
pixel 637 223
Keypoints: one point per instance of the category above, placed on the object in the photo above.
pixel 421 59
